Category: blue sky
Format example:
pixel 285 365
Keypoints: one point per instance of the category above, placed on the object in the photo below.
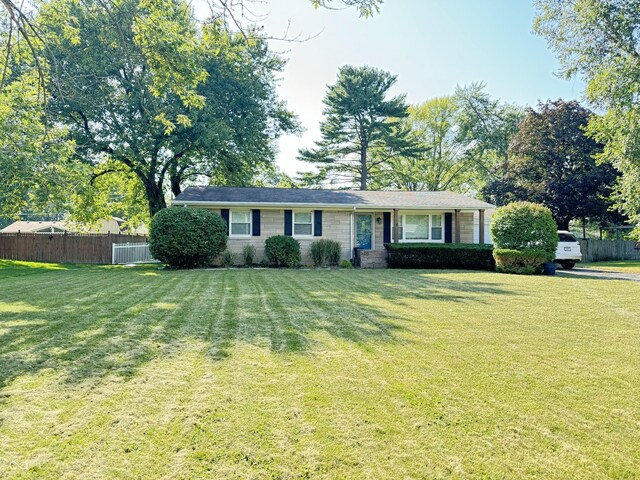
pixel 432 45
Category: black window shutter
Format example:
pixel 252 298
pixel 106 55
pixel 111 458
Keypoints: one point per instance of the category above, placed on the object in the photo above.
pixel 224 213
pixel 317 223
pixel 386 227
pixel 448 230
pixel 255 227
pixel 288 223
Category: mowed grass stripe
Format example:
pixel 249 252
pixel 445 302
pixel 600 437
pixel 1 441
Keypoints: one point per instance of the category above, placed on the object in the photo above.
pixel 322 374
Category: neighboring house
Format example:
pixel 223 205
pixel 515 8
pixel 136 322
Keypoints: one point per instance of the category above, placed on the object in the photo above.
pixel 360 220
pixel 35 227
pixel 111 225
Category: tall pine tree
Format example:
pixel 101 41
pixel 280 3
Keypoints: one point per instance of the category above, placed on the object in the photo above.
pixel 362 129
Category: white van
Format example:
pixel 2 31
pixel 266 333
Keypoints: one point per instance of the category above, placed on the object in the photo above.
pixel 568 252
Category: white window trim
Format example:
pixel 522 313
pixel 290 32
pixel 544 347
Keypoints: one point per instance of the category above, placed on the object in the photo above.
pixel 421 240
pixel 237 235
pixel 441 215
pixel 293 224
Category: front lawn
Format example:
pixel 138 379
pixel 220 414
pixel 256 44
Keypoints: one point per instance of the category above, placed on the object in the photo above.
pixel 109 372
pixel 625 266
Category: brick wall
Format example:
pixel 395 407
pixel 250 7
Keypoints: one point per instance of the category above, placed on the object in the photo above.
pixel 466 227
pixel 335 226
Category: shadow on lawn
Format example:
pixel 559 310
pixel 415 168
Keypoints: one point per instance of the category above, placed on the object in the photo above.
pixel 90 323
pixel 12 269
pixel 593 274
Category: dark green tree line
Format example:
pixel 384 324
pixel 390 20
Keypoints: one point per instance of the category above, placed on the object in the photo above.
pixel 598 40
pixel 554 164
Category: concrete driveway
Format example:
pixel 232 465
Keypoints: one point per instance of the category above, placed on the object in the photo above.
pixel 604 274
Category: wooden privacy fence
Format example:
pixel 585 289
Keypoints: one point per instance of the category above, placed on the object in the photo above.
pixel 604 250
pixel 62 248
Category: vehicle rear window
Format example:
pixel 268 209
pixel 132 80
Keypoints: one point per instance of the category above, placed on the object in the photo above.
pixel 567 237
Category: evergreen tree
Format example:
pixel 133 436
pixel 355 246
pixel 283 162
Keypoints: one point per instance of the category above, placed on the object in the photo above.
pixel 362 128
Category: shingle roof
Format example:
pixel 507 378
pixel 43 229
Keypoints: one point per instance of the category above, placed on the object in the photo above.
pixel 29 226
pixel 330 198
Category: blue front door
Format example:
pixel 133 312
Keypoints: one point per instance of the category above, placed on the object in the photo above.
pixel 364 231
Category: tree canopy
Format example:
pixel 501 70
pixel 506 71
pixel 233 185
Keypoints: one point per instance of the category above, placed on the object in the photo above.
pixel 35 164
pixel 553 163
pixel 362 128
pixel 440 162
pixel 116 109
pixel 366 8
pixel 146 96
pixel 486 126
pixel 598 40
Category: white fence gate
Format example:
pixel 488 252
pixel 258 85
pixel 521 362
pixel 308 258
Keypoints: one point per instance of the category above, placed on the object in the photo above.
pixel 124 253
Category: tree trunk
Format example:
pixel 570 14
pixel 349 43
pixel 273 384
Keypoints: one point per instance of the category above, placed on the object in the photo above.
pixel 175 185
pixel 363 164
pixel 155 197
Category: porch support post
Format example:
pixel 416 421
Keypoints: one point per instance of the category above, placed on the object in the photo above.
pixel 481 226
pixel 395 225
pixel 456 218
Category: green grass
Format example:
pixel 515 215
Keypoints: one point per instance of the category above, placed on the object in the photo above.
pixel 626 266
pixel 141 373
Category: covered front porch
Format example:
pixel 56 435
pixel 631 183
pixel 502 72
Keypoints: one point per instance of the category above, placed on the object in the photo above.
pixel 372 229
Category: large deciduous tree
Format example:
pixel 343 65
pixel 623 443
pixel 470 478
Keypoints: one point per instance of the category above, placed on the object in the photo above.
pixel 553 163
pixel 486 126
pixel 599 40
pixel 118 108
pixel 150 99
pixel 440 162
pixel 34 157
pixel 362 127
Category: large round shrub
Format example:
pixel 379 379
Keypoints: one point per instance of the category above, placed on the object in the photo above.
pixel 525 226
pixel 282 251
pixel 187 237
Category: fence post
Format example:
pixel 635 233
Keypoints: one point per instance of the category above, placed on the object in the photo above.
pixel 113 253
pixel 584 245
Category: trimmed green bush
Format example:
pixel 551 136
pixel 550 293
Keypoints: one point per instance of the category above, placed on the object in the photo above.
pixel 526 262
pixel 346 264
pixel 249 254
pixel 187 237
pixel 525 226
pixel 440 255
pixel 325 253
pixel 282 251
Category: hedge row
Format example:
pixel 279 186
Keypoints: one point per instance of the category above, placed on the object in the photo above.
pixel 438 255
pixel 526 262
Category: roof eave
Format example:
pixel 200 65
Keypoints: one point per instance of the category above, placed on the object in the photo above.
pixel 325 206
